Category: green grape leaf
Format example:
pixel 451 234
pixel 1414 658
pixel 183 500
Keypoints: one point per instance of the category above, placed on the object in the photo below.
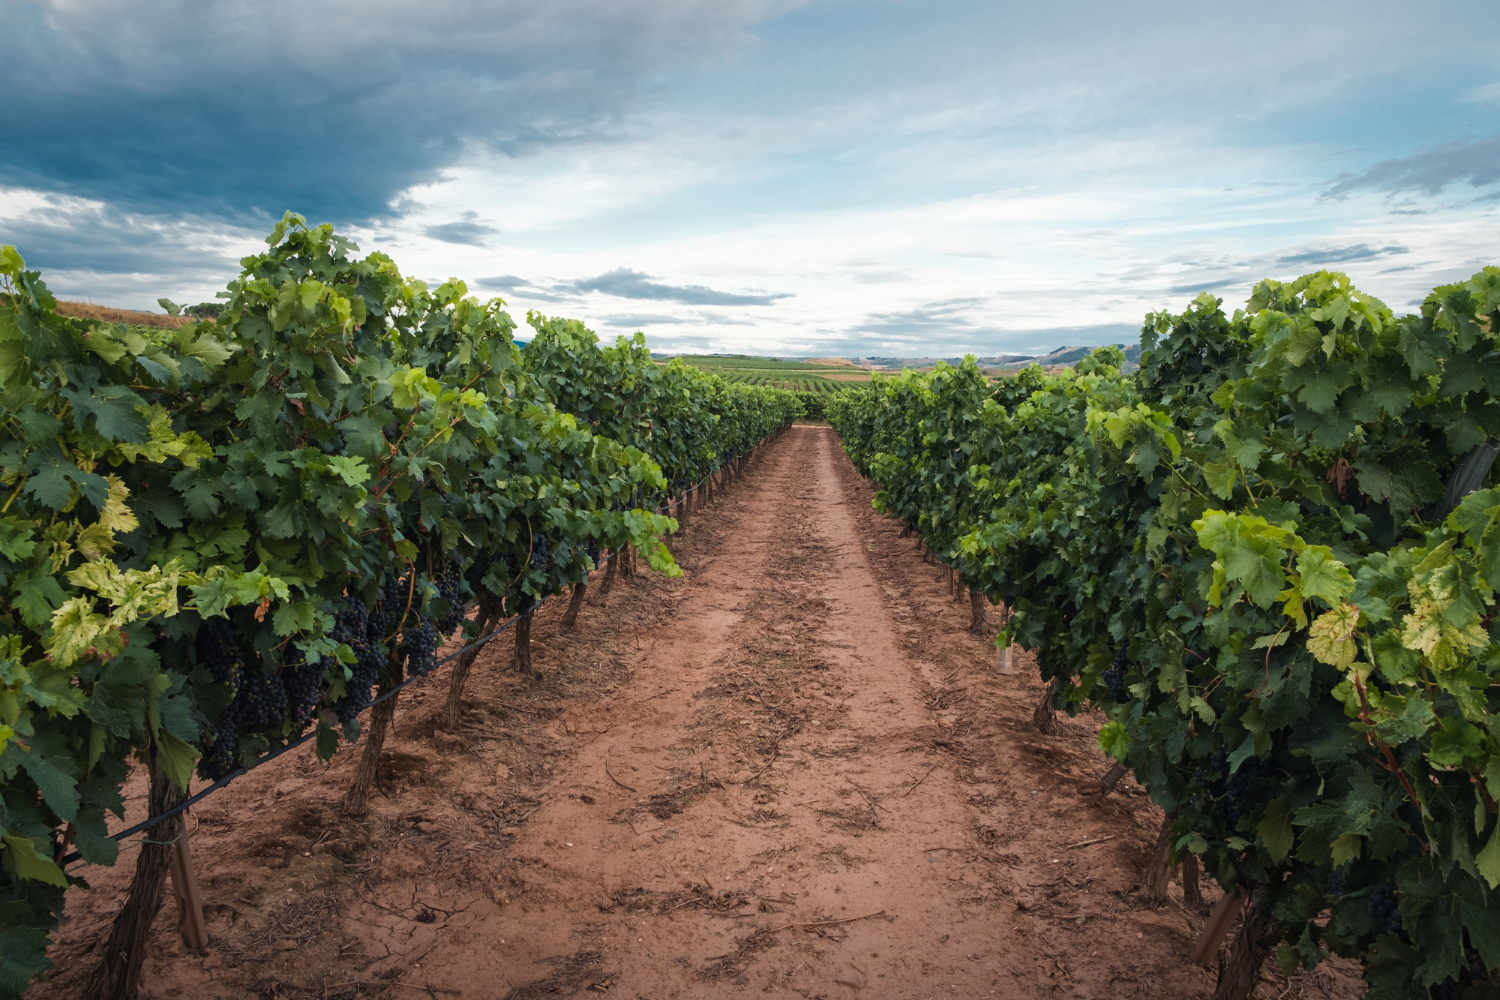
pixel 176 758
pixel 1275 831
pixel 1114 739
pixel 22 858
pixel 1488 860
pixel 1323 576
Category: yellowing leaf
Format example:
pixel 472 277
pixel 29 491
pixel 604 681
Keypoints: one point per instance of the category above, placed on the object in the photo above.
pixel 1331 637
pixel 117 517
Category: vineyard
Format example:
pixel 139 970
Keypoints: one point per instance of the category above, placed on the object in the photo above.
pixel 1246 597
pixel 803 383
pixel 1269 558
pixel 223 539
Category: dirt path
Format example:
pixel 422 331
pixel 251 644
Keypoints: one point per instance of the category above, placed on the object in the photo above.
pixel 791 772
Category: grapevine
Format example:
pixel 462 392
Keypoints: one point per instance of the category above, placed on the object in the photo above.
pixel 1268 556
pixel 240 529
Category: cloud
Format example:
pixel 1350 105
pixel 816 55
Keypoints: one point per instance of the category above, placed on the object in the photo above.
pixel 945 315
pixel 639 321
pixel 1337 255
pixel 1487 94
pixel 624 283
pixel 93 250
pixel 467 231
pixel 331 109
pixel 1476 162
pixel 1208 285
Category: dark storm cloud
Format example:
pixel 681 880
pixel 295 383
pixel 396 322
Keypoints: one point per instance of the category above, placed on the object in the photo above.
pixel 69 235
pixel 1430 171
pixel 627 284
pixel 330 109
pixel 467 231
pixel 1340 255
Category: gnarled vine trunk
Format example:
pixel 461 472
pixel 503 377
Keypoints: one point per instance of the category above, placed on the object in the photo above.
pixel 523 645
pixel 1240 965
pixel 609 575
pixel 489 617
pixel 357 798
pixel 1045 717
pixel 1159 868
pixel 980 623
pixel 570 617
pixel 1192 889
pixel 118 974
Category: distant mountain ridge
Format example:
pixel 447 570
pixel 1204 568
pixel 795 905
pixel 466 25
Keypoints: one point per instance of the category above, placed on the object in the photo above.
pixel 1060 356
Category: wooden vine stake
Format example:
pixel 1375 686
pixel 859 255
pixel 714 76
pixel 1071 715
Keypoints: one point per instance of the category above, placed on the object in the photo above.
pixel 189 899
pixel 118 974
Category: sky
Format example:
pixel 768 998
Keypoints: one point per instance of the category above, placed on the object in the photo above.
pixel 829 178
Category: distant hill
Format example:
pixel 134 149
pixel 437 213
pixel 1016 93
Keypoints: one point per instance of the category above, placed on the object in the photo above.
pixel 1060 356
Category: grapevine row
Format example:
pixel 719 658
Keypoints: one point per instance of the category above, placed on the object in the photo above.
pixel 219 537
pixel 1270 557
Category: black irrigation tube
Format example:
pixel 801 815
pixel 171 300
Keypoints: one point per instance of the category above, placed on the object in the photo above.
pixel 241 771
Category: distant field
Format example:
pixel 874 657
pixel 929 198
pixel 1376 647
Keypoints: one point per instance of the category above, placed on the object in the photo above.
pixel 105 314
pixel 825 375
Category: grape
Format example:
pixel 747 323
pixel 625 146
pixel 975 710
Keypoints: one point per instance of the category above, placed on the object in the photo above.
pixel 450 584
pixel 1114 678
pixel 219 648
pixel 1231 796
pixel 1335 882
pixel 261 700
pixel 539 556
pixel 420 645
pixel 1382 909
pixel 365 634
pixel 303 683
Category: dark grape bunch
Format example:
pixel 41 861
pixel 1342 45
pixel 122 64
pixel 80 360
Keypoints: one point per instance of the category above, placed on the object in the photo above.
pixel 219 650
pixel 540 557
pixel 365 632
pixel 1382 909
pixel 1114 678
pixel 420 644
pixel 450 585
pixel 258 699
pixel 1230 795
pixel 303 682
pixel 520 603
pixel 1335 882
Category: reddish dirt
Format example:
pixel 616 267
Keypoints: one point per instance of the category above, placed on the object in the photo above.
pixel 791 771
